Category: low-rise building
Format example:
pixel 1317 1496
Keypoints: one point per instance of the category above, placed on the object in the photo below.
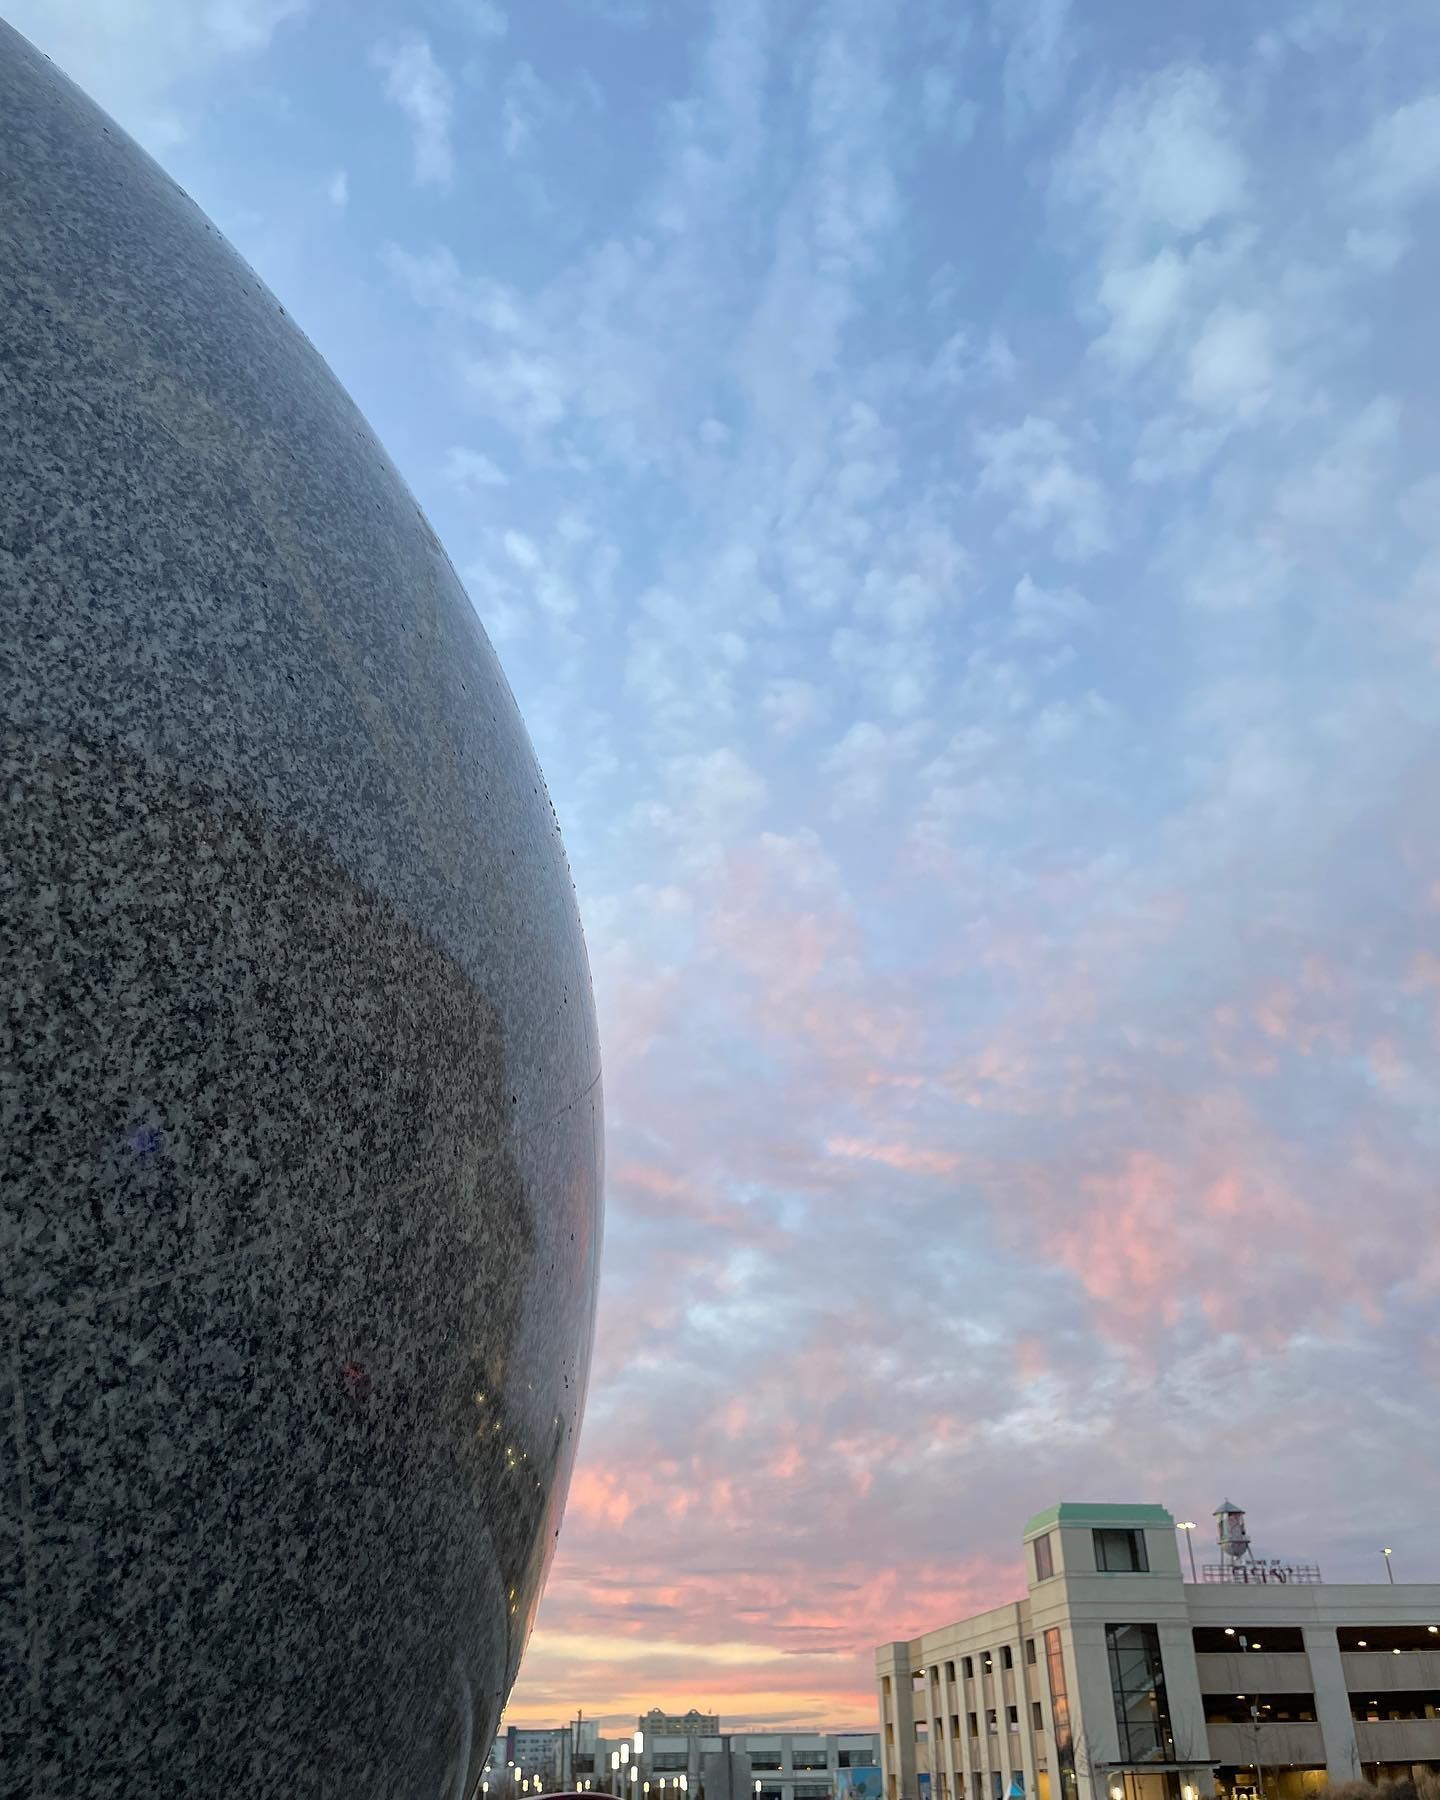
pixel 1116 1679
pixel 741 1765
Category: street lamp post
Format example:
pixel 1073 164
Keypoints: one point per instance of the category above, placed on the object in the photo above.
pixel 1188 1527
pixel 1387 1553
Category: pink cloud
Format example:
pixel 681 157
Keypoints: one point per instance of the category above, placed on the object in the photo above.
pixel 896 1156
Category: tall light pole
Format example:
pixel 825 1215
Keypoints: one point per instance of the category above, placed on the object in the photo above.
pixel 1387 1553
pixel 1188 1527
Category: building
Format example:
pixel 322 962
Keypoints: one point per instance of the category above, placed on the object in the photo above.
pixel 549 1753
pixel 687 1724
pixel 1116 1679
pixel 739 1765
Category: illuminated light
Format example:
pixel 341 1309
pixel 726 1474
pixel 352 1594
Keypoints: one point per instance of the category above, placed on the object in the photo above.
pixel 1362 1643
pixel 614 1759
pixel 1256 1645
pixel 1229 1631
pixel 634 1772
pixel 639 1742
pixel 1394 1652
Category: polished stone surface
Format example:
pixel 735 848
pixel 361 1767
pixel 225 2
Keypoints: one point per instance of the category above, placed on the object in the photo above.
pixel 299 1082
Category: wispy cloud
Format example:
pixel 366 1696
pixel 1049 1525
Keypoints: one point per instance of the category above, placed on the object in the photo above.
pixel 416 83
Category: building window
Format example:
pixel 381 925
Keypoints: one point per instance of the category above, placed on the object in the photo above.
pixel 889 1734
pixel 1037 1715
pixel 1381 1639
pixel 1030 1651
pixel 1012 1717
pixel 935 1673
pixel 1044 1557
pixel 917 1682
pixel 885 1686
pixel 974 1719
pixel 1007 1660
pixel 1120 1552
pixel 967 1664
pixel 922 1731
pixel 987 1663
pixel 1137 1680
pixel 992 1719
pixel 1262 1709
pixel 955 1725
pixel 1408 1705
pixel 1215 1640
pixel 1060 1712
pixel 950 1673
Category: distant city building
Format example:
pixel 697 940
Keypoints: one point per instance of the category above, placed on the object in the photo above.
pixel 689 1724
pixel 548 1753
pixel 1116 1679
pixel 699 1764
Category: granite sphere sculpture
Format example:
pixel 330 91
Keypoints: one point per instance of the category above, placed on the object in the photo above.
pixel 300 1195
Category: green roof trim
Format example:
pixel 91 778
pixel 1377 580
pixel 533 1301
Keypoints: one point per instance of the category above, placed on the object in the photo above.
pixel 1077 1512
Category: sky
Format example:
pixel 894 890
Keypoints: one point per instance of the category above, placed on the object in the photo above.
pixel 955 489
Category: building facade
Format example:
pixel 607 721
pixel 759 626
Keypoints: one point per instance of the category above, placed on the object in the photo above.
pixel 702 1765
pixel 548 1753
pixel 1116 1679
pixel 687 1724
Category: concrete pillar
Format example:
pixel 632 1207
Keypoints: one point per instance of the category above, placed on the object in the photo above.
pixel 1332 1704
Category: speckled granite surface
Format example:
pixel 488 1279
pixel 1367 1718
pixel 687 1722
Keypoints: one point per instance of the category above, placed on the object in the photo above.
pixel 301 1153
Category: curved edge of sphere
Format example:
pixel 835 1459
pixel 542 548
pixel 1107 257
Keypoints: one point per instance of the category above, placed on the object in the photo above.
pixel 301 1185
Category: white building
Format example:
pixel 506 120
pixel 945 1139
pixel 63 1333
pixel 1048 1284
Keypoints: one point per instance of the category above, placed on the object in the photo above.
pixel 1116 1679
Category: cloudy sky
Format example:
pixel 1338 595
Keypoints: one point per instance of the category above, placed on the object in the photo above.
pixel 955 486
